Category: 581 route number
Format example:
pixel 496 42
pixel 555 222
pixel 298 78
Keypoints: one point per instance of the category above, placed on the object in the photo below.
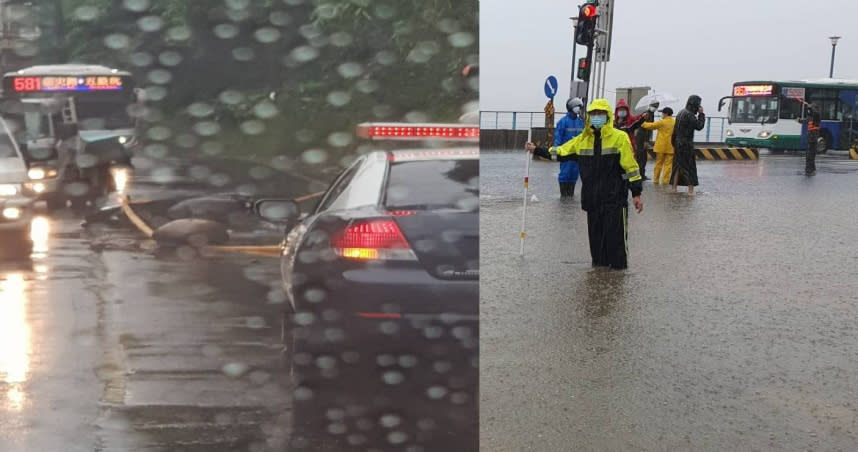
pixel 27 84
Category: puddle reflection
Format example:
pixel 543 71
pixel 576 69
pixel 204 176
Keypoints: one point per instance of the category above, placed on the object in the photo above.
pixel 15 347
pixel 40 231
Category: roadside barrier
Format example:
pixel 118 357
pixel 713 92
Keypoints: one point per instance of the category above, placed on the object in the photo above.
pixel 719 154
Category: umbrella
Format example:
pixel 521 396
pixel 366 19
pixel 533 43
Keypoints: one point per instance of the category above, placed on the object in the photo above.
pixel 653 97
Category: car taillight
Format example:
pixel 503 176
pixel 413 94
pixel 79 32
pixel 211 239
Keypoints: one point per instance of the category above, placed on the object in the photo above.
pixel 373 240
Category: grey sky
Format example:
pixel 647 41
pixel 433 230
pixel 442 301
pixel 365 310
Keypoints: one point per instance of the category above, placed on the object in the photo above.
pixel 679 46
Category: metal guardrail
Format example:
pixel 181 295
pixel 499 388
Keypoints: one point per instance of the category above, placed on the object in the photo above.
pixel 713 132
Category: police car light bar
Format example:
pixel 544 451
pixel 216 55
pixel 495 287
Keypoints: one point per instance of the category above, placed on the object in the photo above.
pixel 407 131
pixel 434 154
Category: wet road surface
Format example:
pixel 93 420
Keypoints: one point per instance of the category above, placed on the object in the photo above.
pixel 122 350
pixel 733 329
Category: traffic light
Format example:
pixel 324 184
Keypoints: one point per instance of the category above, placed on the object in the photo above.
pixel 585 31
pixel 584 69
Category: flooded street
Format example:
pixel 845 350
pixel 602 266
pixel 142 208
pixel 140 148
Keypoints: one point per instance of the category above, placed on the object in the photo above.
pixel 120 350
pixel 733 328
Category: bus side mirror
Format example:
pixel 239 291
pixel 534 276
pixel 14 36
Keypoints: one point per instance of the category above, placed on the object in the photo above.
pixel 721 102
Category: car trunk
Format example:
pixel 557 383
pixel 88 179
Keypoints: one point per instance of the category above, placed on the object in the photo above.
pixel 446 242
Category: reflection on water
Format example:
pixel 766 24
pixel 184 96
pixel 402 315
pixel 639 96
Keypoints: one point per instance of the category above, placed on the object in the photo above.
pixel 604 289
pixel 15 346
pixel 40 229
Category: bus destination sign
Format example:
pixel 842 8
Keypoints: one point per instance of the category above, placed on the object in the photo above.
pixel 59 83
pixel 753 90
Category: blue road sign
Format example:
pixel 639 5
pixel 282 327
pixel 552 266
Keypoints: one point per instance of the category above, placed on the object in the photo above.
pixel 551 86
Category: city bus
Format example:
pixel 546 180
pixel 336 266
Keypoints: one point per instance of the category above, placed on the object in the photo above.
pixel 769 114
pixel 102 96
pixel 96 101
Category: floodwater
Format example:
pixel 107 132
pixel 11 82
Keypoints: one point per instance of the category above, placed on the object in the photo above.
pixel 733 328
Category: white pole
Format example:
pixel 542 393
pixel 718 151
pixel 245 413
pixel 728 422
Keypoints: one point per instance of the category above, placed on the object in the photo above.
pixel 526 183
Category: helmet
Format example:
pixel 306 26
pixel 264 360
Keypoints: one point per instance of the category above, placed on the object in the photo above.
pixel 574 102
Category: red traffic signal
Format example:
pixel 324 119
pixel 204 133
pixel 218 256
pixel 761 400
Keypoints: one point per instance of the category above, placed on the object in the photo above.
pixel 585 30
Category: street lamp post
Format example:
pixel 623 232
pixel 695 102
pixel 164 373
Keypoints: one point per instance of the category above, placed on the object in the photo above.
pixel 834 40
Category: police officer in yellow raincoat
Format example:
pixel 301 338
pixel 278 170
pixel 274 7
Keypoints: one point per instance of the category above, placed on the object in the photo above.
pixel 608 171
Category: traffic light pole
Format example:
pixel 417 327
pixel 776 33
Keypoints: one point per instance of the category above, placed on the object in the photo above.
pixel 587 89
pixel 574 61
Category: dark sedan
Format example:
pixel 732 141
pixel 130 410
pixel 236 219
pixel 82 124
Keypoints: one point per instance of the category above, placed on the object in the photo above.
pixel 383 278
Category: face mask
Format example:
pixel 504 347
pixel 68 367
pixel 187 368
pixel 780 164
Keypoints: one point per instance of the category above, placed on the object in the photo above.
pixel 598 121
pixel 621 113
pixel 652 109
pixel 576 110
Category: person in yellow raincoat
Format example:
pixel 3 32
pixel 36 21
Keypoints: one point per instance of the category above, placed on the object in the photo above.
pixel 663 147
pixel 608 172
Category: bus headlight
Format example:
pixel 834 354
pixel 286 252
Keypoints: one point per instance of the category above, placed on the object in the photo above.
pixel 39 173
pixel 127 142
pixel 8 190
pixel 729 132
pixel 764 134
pixel 11 213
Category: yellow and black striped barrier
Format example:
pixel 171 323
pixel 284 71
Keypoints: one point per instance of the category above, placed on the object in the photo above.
pixel 720 154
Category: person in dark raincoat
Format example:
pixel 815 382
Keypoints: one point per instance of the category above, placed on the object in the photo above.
pixel 813 120
pixel 625 121
pixel 569 127
pixel 643 136
pixel 608 172
pixel 691 118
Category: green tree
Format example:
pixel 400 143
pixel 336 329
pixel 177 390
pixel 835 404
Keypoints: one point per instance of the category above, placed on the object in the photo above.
pixel 330 63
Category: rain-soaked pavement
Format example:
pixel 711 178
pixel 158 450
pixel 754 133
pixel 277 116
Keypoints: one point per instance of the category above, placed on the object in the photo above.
pixel 733 329
pixel 122 350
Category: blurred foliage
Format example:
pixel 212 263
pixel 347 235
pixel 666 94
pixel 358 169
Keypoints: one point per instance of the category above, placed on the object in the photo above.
pixel 324 65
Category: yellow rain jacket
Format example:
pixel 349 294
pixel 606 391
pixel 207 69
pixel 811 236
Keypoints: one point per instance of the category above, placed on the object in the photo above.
pixel 664 127
pixel 606 161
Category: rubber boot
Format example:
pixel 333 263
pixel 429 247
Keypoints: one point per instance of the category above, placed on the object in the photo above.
pixel 567 190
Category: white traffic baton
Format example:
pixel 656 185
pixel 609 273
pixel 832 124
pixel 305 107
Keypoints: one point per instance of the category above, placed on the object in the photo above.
pixel 526 183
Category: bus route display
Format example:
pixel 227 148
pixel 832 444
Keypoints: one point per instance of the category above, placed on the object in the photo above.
pixel 29 84
pixel 753 90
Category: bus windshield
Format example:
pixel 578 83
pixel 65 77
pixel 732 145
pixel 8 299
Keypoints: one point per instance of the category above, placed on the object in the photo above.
pixel 103 114
pixel 36 126
pixel 754 109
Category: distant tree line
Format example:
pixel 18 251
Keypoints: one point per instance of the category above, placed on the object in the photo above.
pixel 297 70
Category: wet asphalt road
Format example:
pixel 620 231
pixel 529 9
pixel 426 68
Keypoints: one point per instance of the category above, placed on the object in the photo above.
pixel 735 327
pixel 118 349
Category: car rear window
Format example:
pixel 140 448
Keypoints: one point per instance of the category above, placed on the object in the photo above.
pixel 433 184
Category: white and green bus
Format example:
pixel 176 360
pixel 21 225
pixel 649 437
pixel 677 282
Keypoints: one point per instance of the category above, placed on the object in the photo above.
pixel 769 113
